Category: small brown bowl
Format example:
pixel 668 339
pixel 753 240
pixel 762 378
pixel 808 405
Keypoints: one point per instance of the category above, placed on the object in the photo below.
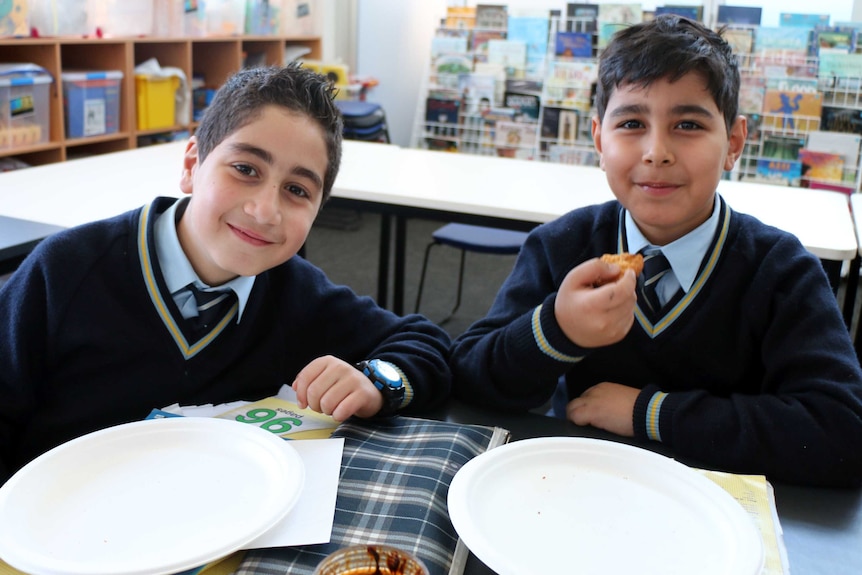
pixel 371 560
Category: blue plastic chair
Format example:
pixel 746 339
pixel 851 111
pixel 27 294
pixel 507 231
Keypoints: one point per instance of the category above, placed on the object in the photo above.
pixel 364 121
pixel 474 239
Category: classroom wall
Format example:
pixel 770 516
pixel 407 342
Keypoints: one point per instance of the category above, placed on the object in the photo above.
pixel 394 39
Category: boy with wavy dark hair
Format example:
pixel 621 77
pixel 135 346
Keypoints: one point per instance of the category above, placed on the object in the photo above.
pixel 730 347
pixel 203 299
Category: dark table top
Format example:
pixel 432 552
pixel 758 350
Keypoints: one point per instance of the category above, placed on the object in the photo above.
pixel 822 527
pixel 18 238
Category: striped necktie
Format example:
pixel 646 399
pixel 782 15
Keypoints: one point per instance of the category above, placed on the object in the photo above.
pixel 212 306
pixel 655 268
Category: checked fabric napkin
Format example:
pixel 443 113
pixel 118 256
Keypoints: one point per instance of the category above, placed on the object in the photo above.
pixel 395 477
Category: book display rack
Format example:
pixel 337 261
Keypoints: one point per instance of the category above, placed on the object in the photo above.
pixel 522 86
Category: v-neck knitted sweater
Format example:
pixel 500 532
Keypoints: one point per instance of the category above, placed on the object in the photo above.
pixel 751 371
pixel 89 338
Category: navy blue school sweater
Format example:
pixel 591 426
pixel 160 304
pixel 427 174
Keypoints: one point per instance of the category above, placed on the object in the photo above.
pixel 89 338
pixel 752 371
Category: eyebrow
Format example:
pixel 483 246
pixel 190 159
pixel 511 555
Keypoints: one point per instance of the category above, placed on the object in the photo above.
pixel 680 110
pixel 267 157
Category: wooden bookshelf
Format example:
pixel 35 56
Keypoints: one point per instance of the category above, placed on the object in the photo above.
pixel 213 58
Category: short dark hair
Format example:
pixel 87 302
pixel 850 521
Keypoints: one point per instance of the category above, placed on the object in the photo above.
pixel 669 47
pixel 241 99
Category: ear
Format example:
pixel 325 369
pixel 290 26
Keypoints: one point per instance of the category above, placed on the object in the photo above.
pixel 596 131
pixel 190 162
pixel 736 141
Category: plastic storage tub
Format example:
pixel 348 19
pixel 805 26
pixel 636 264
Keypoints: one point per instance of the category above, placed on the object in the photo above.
pixel 92 102
pixel 156 101
pixel 25 112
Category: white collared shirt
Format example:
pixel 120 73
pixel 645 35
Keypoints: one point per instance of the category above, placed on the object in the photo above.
pixel 177 270
pixel 684 254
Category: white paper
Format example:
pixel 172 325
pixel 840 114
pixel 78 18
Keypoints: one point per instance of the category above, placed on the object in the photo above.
pixel 310 521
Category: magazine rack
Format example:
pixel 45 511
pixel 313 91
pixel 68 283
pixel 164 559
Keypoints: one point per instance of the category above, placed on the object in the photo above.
pixel 454 113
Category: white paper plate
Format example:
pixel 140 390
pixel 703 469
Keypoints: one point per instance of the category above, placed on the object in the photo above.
pixel 149 497
pixel 577 505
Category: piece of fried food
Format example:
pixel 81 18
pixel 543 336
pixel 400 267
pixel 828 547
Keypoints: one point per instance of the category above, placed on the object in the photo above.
pixel 626 261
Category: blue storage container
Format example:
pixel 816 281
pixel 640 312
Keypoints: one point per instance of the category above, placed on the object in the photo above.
pixel 24 105
pixel 91 101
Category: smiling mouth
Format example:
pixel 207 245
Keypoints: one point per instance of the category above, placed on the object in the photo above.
pixel 250 237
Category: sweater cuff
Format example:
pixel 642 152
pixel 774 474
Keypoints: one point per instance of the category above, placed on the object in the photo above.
pixel 653 415
pixel 549 337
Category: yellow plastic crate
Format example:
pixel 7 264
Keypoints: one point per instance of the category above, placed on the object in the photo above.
pixel 156 103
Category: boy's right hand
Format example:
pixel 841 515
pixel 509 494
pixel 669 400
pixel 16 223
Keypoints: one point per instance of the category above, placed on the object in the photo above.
pixel 596 316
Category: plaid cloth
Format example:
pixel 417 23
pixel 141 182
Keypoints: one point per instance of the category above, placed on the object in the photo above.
pixel 395 477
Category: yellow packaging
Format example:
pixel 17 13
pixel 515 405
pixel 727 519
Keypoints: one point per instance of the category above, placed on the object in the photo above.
pixel 156 104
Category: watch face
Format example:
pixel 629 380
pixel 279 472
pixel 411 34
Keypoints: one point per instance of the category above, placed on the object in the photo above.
pixel 387 371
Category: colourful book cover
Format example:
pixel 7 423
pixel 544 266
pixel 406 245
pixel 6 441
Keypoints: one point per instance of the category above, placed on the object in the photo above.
pixel 574 155
pixel 510 54
pixel 447 67
pixel 526 106
pixel 786 172
pixel 822 166
pixel 477 92
pixel 690 12
pixel 782 40
pixel 559 126
pixel 791 84
pixel 532 30
pixel 741 40
pixel 441 45
pixel 845 145
pixel 607 31
pixel 492 16
pixel 515 135
pixel 440 111
pixel 739 15
pixel 787 110
pixel 479 43
pixel 836 119
pixel 835 39
pixel 781 147
pixel 751 92
pixel 574 45
pixel 620 13
pixel 461 17
pixel 581 17
pixel 284 418
pixel 839 65
pixel 569 84
pixel 803 20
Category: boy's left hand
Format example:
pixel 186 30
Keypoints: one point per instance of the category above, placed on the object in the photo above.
pixel 334 387
pixel 606 405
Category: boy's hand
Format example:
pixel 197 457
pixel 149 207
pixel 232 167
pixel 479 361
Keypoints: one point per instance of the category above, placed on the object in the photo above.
pixel 596 316
pixel 608 406
pixel 334 387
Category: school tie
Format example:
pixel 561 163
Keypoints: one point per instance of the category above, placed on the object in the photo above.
pixel 655 268
pixel 211 305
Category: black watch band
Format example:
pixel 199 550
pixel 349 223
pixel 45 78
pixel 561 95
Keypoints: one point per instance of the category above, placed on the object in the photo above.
pixel 387 379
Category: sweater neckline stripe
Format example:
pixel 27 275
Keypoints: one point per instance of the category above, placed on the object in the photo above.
pixel 654 330
pixel 187 350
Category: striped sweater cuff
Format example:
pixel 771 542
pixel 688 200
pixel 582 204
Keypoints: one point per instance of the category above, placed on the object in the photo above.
pixel 545 331
pixel 653 415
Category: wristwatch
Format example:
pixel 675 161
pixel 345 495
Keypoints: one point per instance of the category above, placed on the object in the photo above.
pixel 387 379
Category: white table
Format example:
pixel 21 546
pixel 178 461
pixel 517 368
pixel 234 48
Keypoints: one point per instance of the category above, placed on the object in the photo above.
pixel 407 183
pixel 520 194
